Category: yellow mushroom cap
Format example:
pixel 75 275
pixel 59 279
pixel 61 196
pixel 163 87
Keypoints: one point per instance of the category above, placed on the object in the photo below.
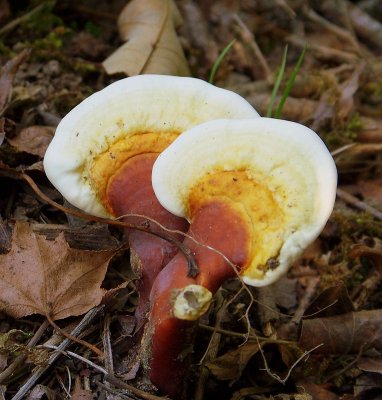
pixel 280 171
pixel 150 105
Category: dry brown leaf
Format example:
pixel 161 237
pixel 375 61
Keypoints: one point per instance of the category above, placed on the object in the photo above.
pixel 369 364
pixel 48 277
pixel 231 365
pixel 152 46
pixel 348 333
pixel 332 301
pixel 34 139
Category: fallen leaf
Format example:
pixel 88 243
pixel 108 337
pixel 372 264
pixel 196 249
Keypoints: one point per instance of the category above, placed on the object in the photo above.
pixel 332 301
pixel 7 74
pixel 367 387
pixel 369 364
pixel 230 365
pixel 371 190
pixel 48 277
pixel 33 140
pixel 348 333
pixel 152 46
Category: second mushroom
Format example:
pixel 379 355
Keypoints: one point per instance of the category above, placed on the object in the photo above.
pixel 256 193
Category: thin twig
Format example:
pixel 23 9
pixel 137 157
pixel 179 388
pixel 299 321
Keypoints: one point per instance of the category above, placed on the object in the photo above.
pixel 342 149
pixel 249 38
pixel 243 335
pixel 107 345
pixel 93 348
pixel 325 52
pixel 18 21
pixel 75 355
pixel 361 205
pixel 338 31
pixel 115 392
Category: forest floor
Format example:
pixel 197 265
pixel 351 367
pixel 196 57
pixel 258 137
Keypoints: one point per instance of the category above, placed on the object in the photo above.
pixel 317 333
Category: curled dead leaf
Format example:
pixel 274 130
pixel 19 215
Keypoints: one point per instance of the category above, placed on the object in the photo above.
pixel 332 301
pixel 347 333
pixel 49 278
pixel 152 45
pixel 230 366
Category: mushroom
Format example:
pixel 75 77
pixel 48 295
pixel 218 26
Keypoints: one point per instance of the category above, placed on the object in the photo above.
pixel 102 153
pixel 256 193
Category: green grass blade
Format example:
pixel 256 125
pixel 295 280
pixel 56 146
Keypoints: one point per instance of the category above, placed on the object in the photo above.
pixel 290 83
pixel 276 86
pixel 219 60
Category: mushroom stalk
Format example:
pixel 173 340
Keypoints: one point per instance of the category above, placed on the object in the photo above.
pixel 216 227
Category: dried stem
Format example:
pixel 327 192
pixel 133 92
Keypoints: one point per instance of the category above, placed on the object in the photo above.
pixel 249 38
pixel 93 348
pixel 353 201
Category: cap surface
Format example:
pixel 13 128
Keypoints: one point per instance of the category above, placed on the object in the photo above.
pixel 284 176
pixel 141 105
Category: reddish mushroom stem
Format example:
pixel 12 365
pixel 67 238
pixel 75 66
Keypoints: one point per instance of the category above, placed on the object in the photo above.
pixel 130 191
pixel 220 226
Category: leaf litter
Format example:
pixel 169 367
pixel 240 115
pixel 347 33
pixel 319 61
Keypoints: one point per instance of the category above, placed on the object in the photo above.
pixel 49 278
pixel 320 326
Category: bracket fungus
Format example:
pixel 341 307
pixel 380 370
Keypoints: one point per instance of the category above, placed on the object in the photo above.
pixel 257 193
pixel 101 156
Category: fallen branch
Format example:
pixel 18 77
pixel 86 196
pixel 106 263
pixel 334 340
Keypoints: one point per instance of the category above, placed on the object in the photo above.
pixel 361 205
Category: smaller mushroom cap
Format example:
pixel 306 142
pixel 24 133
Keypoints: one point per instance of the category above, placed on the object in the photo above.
pixel 132 116
pixel 280 171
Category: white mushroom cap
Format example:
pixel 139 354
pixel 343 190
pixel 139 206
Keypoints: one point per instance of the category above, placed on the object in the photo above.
pixel 131 106
pixel 287 158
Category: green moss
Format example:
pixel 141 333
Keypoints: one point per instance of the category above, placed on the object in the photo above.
pixel 353 126
pixel 93 29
